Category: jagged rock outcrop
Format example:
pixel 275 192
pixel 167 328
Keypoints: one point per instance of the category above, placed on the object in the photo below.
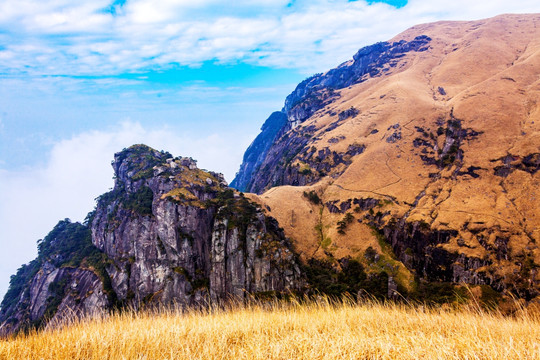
pixel 176 233
pixel 168 233
pixel 56 293
pixel 67 279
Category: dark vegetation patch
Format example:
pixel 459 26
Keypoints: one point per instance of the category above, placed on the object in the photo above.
pixel 335 140
pixel 344 223
pixel 396 133
pixel 349 277
pixel 471 171
pixel 312 197
pixel 511 163
pixel 349 113
pixel 434 293
pixel 358 205
pixel 443 148
pixel 490 299
pixel 238 210
pixel 140 201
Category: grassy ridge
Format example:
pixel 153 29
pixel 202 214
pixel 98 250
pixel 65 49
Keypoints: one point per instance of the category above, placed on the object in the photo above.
pixel 312 331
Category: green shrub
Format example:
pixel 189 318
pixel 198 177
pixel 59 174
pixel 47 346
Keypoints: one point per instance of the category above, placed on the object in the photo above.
pixel 140 201
pixel 439 293
pixel 326 278
pixel 344 223
pixel 312 197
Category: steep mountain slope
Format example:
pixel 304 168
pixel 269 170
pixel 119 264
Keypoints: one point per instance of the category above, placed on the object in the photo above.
pixel 272 128
pixel 68 277
pixel 167 233
pixel 429 143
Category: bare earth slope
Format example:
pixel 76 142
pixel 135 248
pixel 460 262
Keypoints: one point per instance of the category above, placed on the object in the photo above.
pixel 431 142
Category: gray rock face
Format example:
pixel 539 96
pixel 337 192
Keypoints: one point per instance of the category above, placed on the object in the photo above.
pixel 167 233
pixel 83 295
pixel 416 246
pixel 66 280
pixel 56 294
pixel 194 242
pixel 82 291
pixel 275 170
pixel 256 152
pixel 248 263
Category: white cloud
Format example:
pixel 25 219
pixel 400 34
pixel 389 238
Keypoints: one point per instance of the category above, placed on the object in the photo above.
pixel 311 36
pixel 78 170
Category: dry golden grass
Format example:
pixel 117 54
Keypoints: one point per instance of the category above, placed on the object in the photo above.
pixel 313 331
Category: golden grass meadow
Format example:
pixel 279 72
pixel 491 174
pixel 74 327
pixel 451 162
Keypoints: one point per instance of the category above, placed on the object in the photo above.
pixel 314 330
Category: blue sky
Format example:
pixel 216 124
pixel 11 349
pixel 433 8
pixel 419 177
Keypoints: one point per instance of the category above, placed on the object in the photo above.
pixel 80 80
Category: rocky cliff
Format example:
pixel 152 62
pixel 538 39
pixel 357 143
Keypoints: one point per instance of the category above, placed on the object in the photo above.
pixel 168 233
pixel 67 278
pixel 419 157
pixel 255 154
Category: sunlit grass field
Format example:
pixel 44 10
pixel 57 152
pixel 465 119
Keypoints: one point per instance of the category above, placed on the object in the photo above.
pixel 313 330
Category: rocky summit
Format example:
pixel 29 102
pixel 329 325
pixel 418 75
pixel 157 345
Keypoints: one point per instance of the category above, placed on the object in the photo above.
pixel 168 233
pixel 409 171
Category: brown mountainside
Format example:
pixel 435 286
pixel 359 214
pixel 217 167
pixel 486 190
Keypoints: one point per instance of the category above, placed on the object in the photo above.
pixel 431 146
